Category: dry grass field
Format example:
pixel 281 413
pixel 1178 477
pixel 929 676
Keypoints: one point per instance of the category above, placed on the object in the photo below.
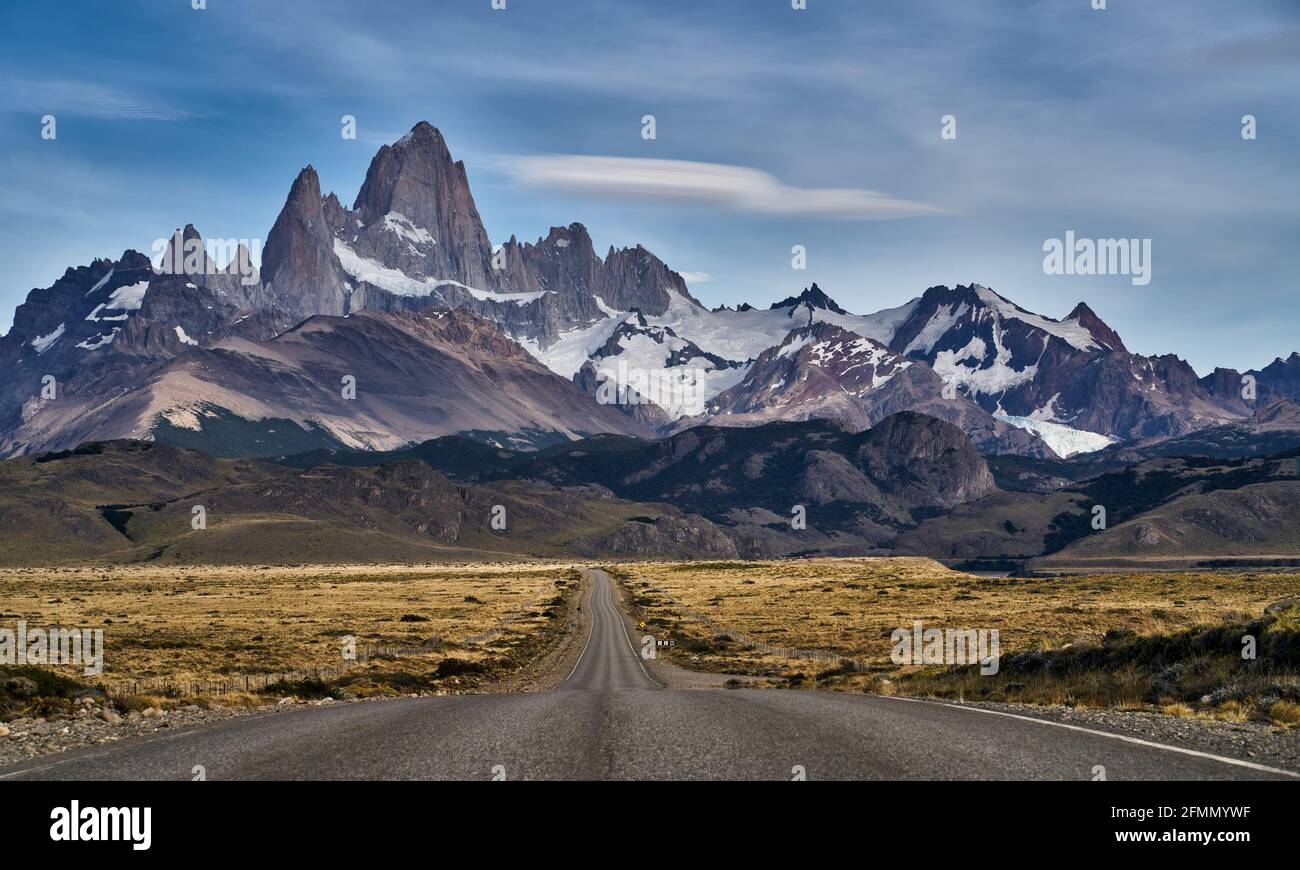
pixel 1166 641
pixel 850 607
pixel 175 626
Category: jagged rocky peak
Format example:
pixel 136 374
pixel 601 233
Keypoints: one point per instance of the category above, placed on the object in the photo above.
pixel 305 189
pixel 131 260
pixel 563 260
pixel 636 278
pixel 813 297
pixel 1225 385
pixel 414 235
pixel 185 254
pixel 298 263
pixel 415 213
pixel 973 294
pixel 1088 319
pixel 303 208
pixel 335 214
pixel 1282 376
pixel 574 236
pixel 414 176
pixel 1292 360
pixel 812 335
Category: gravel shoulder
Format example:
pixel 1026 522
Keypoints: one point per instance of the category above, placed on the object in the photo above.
pixel 26 738
pixel 555 664
pixel 1257 742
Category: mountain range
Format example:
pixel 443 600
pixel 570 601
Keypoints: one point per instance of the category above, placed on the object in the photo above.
pixel 911 484
pixel 388 376
pixel 381 326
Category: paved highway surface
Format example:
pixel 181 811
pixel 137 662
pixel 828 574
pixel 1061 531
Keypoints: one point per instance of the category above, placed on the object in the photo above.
pixel 610 720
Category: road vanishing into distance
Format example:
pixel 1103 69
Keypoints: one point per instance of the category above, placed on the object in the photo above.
pixel 610 720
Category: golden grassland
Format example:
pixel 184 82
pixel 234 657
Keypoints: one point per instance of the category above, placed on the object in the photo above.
pixel 850 607
pixel 1148 640
pixel 218 623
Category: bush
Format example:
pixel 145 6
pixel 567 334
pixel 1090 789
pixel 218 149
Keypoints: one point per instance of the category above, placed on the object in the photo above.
pixel 28 681
pixel 844 669
pixel 454 667
pixel 1284 713
pixel 302 688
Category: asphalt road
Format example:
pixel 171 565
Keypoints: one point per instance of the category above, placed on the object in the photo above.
pixel 610 720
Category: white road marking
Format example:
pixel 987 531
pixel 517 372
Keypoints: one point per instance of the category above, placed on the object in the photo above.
pixel 1139 741
pixel 587 643
pixel 619 618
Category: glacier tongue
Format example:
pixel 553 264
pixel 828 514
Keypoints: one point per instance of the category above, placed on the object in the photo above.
pixel 1063 439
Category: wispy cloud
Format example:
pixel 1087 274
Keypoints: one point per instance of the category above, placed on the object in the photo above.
pixel 86 99
pixel 696 277
pixel 719 185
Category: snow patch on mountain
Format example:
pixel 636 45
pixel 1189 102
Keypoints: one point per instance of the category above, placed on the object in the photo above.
pixel 99 340
pixel 642 353
pixel 1070 331
pixel 794 346
pixel 42 343
pixel 94 314
pixel 401 226
pixel 743 335
pixel 935 329
pixel 574 347
pixel 102 281
pixel 991 378
pixel 736 336
pixel 393 280
pixel 401 284
pixel 859 353
pixel 1047 413
pixel 128 298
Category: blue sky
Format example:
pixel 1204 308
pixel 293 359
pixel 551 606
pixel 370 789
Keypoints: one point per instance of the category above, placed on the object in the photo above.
pixel 1117 123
